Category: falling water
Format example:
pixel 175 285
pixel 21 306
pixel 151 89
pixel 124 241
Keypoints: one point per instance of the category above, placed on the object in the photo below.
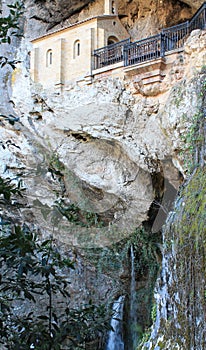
pixel 133 307
pixel 115 340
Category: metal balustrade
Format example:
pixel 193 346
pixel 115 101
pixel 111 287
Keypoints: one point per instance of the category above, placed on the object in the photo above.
pixel 153 47
pixel 110 54
pixel 143 50
pixel 174 37
pixel 198 21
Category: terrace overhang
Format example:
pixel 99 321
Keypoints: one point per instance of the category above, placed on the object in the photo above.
pixel 148 72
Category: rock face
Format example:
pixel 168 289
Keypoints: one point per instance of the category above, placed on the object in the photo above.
pixel 144 16
pixel 99 145
pixel 112 148
pixel 180 295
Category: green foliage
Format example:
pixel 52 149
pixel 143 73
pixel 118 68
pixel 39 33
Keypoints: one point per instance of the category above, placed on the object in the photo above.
pixel 186 257
pixel 9 27
pixel 146 248
pixel 145 337
pixel 111 259
pixel 147 333
pixel 178 95
pixel 194 211
pixel 194 138
pixel 114 259
pixel 55 165
pixel 154 313
pixel 8 189
pixel 80 217
pixel 188 232
pixel 33 274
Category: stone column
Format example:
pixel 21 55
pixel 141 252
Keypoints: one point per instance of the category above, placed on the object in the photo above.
pixel 59 65
pixel 34 64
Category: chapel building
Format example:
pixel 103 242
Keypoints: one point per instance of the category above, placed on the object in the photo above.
pixel 100 47
pixel 66 55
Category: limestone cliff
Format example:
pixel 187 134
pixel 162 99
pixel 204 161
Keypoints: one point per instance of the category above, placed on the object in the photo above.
pixel 112 148
pixel 141 17
pixel 180 292
pixel 99 146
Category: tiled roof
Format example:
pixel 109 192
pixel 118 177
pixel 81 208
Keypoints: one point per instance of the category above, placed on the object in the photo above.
pixel 73 25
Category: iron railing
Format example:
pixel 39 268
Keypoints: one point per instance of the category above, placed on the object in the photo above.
pixel 110 54
pixel 169 39
pixel 198 21
pixel 143 50
pixel 174 37
pixel 153 47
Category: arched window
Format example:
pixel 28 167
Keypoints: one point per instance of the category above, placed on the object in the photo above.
pixel 49 58
pixel 112 40
pixel 76 50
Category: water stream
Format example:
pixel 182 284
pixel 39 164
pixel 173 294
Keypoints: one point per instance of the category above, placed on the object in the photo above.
pixel 133 304
pixel 115 340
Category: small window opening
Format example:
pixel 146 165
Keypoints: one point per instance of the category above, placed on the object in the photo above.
pixel 49 58
pixel 76 49
pixel 112 40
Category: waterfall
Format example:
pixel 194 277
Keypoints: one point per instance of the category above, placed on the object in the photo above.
pixel 180 288
pixel 133 304
pixel 115 340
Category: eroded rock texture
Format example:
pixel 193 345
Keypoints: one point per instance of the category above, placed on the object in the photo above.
pixel 112 148
pixel 149 14
pixel 99 146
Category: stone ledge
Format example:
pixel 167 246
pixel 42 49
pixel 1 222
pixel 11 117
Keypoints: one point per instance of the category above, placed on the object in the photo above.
pixel 149 72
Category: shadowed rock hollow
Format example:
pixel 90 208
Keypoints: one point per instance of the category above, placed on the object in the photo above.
pixel 115 149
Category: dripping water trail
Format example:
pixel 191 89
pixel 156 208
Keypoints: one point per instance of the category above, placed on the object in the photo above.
pixel 115 340
pixel 133 303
